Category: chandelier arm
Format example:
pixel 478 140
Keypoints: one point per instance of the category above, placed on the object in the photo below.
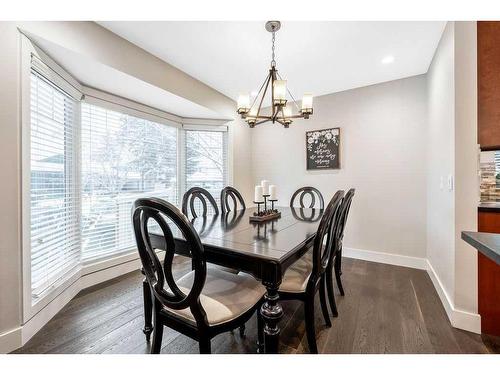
pixel 264 94
pixel 273 73
pixel 275 116
pixel 289 93
pixel 263 121
pixel 261 86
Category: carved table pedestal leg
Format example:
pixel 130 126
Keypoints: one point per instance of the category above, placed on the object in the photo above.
pixel 271 312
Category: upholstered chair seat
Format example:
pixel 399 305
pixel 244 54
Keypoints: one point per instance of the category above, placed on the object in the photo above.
pixel 297 275
pixel 225 295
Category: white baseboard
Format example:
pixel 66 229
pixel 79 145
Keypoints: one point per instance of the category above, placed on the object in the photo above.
pixel 458 318
pixel 11 340
pixel 97 277
pixel 386 258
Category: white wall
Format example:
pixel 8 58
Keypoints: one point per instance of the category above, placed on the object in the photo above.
pixel 383 148
pixel 466 165
pixel 10 190
pixel 453 150
pixel 441 161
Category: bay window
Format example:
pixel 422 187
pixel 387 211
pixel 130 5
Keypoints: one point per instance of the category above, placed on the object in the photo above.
pixel 85 161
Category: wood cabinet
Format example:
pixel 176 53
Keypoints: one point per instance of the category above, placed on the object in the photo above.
pixel 488 77
pixel 489 278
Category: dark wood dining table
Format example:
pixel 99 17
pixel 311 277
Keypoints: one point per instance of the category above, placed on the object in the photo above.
pixel 264 250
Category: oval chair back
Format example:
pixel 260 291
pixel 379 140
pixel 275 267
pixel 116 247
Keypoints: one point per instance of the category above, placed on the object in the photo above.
pixel 169 295
pixel 230 193
pixel 344 212
pixel 311 216
pixel 198 193
pixel 312 192
pixel 326 231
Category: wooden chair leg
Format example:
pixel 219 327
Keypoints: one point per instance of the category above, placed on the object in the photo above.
pixel 331 294
pixel 310 327
pixel 157 337
pixel 205 346
pixel 338 272
pixel 322 299
pixel 260 333
pixel 148 310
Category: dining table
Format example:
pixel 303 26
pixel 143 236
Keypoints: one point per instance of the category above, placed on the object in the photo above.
pixel 263 249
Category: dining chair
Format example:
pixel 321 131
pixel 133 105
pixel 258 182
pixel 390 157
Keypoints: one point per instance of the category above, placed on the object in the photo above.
pixel 312 192
pixel 335 263
pixel 204 302
pixel 306 276
pixel 203 196
pixel 311 216
pixel 227 193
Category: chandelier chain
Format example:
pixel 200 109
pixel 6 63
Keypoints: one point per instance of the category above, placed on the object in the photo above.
pixel 273 62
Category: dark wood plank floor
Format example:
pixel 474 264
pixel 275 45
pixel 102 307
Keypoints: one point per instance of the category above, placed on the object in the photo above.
pixel 386 309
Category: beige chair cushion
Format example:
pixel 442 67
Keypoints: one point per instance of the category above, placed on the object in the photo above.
pixel 225 295
pixel 297 275
pixel 222 268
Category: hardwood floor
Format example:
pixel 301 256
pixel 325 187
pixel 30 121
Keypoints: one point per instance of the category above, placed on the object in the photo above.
pixel 386 309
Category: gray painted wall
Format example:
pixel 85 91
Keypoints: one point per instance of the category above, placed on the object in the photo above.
pixel 383 148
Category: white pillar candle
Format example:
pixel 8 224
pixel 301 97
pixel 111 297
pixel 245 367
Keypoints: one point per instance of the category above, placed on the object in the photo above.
pixel 272 192
pixel 265 187
pixel 258 194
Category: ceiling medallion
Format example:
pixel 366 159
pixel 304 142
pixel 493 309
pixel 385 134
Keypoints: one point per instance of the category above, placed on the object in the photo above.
pixel 281 110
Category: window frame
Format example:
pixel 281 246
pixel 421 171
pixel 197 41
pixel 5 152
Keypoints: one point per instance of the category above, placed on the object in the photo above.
pixel 58 77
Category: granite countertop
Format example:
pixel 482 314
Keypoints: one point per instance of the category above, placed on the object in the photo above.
pixel 486 243
pixel 489 206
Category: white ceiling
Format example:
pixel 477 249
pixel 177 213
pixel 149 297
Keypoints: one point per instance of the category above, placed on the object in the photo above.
pixel 94 74
pixel 315 57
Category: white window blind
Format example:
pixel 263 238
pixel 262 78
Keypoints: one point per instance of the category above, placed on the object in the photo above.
pixel 123 158
pixel 54 194
pixel 206 160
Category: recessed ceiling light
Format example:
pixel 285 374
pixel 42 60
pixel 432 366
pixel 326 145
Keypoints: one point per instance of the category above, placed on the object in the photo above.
pixel 388 59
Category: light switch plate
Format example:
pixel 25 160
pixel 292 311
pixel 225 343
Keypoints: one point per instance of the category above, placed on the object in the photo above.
pixel 450 182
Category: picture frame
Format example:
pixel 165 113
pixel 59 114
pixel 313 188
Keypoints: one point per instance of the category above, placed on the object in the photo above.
pixel 323 149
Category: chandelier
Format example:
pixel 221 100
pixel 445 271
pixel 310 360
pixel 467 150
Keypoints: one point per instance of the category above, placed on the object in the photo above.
pixel 281 110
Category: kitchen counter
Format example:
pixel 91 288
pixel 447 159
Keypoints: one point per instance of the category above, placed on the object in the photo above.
pixel 489 207
pixel 486 243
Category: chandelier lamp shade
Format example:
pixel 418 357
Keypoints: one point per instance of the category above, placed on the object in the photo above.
pixel 281 108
